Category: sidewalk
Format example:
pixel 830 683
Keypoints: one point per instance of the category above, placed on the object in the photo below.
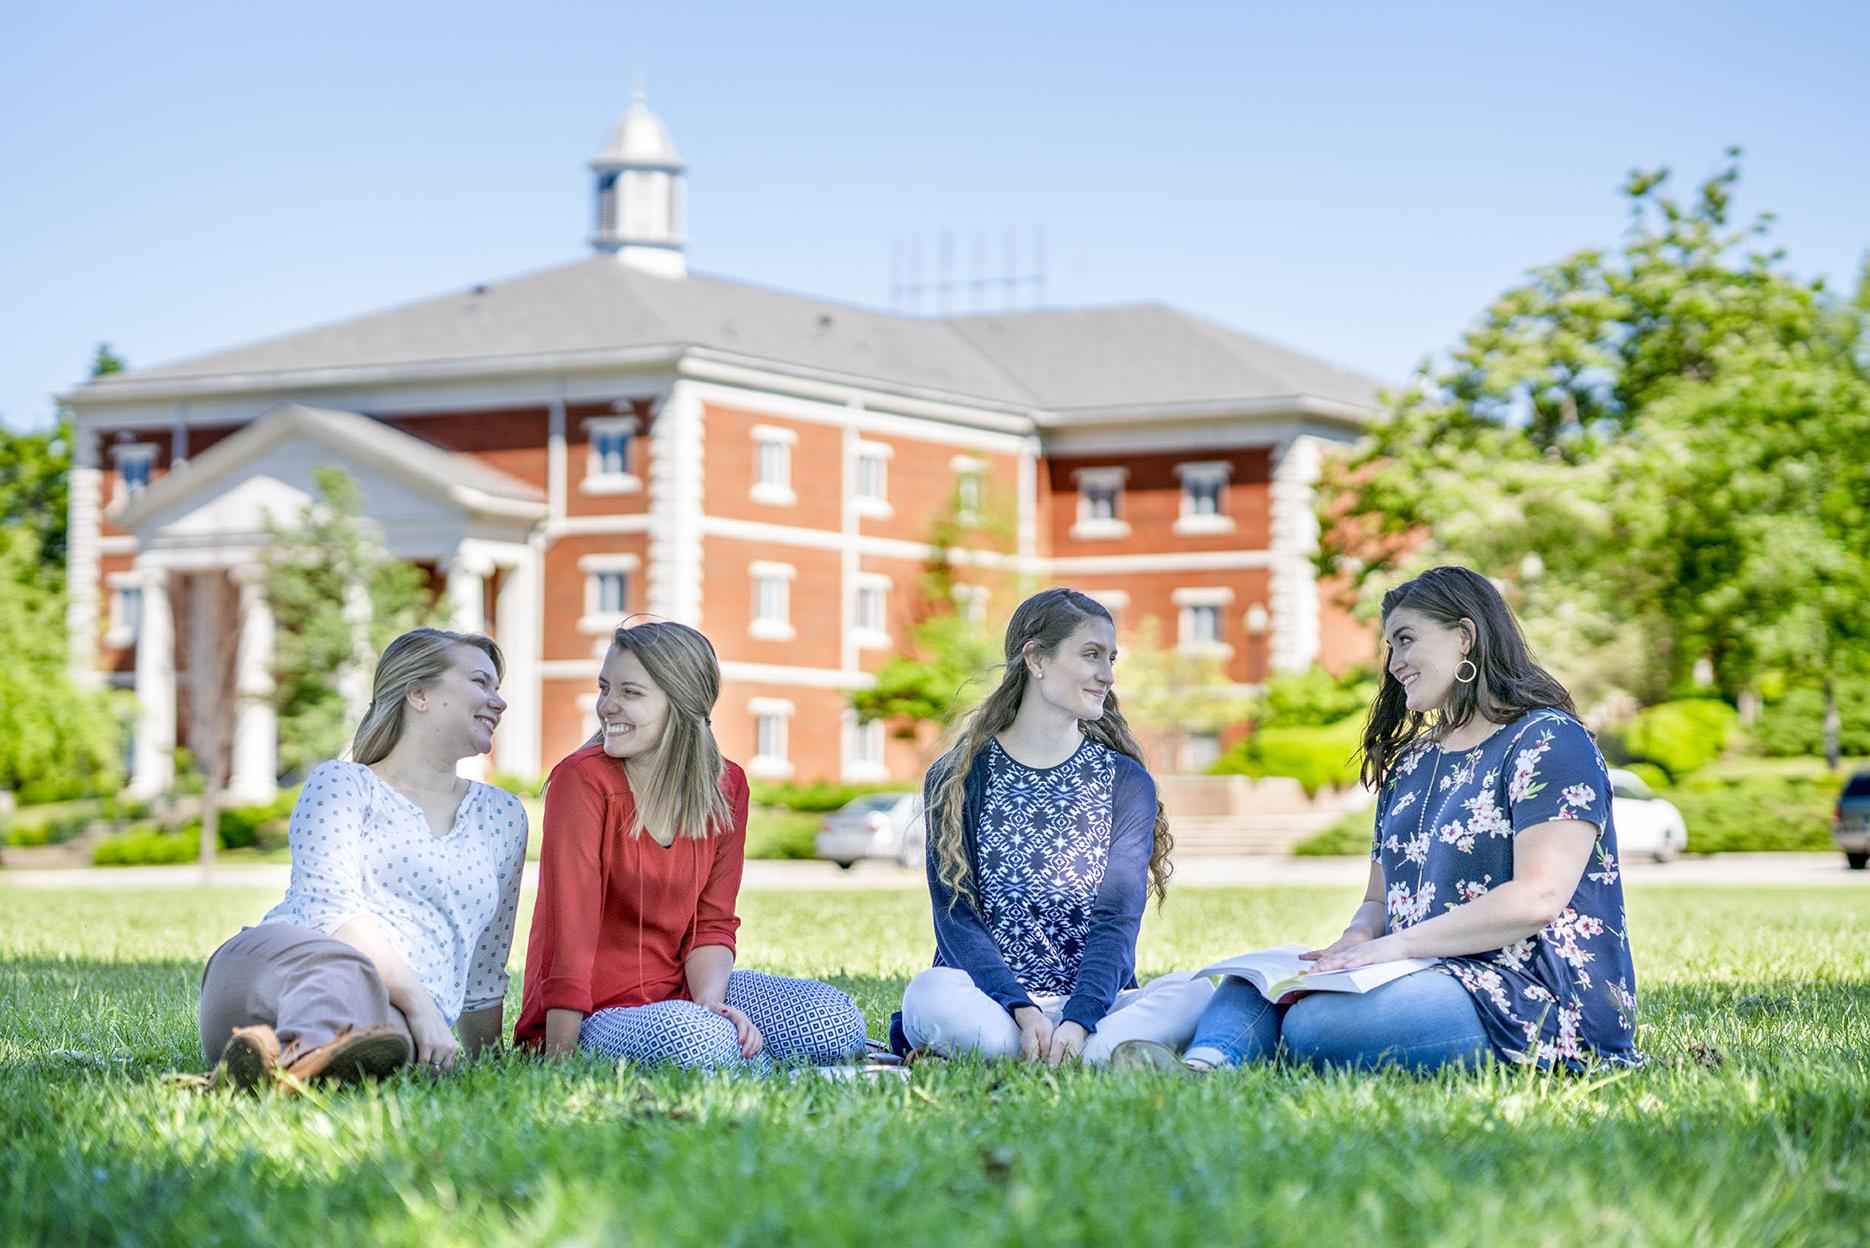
pixel 1721 870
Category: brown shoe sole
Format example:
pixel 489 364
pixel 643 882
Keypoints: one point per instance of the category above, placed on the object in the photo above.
pixel 249 1065
pixel 373 1053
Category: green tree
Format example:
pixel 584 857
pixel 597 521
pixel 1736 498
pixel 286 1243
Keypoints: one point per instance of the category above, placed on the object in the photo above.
pixel 34 469
pixel 338 597
pixel 61 740
pixel 1657 450
pixel 1168 693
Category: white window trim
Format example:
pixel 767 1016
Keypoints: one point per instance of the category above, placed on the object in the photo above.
pixel 595 622
pixel 872 506
pixel 1205 596
pixel 596 480
pixel 972 600
pixel 769 628
pixel 775 493
pixel 863 636
pixel 121 494
pixel 769 766
pixel 1188 600
pixel 1086 526
pixel 123 632
pixel 965 467
pixel 1188 523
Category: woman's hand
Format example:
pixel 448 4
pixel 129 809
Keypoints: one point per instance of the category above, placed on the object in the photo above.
pixel 436 1047
pixel 1352 937
pixel 1035 1033
pixel 1364 952
pixel 1067 1043
pixel 751 1041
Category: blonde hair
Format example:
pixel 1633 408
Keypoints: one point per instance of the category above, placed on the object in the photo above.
pixel 416 660
pixel 684 787
pixel 1045 620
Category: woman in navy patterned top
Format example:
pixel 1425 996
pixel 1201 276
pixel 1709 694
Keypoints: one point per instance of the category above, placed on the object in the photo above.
pixel 1494 852
pixel 1045 841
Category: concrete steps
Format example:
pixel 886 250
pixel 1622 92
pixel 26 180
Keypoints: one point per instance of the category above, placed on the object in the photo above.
pixel 1271 834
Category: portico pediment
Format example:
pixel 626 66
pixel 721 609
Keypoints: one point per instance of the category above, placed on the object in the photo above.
pixel 426 500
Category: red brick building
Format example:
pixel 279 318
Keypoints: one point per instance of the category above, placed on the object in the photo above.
pixel 618 435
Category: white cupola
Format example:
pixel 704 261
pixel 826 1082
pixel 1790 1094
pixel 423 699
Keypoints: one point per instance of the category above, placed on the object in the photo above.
pixel 641 194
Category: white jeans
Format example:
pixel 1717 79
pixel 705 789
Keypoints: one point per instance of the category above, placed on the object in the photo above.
pixel 945 1013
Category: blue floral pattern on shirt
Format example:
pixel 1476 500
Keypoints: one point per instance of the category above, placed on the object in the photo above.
pixel 1565 995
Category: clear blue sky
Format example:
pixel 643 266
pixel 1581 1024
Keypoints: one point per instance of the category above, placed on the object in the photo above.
pixel 1355 179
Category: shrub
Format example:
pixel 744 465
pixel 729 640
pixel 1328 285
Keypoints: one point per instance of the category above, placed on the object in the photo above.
pixel 1649 774
pixel 1348 834
pixel 242 827
pixel 1681 736
pixel 774 832
pixel 817 797
pixel 1768 814
pixel 146 845
pixel 1794 724
pixel 517 786
pixel 1314 698
pixel 1316 756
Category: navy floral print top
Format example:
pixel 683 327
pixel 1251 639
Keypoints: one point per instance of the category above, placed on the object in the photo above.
pixel 1445 824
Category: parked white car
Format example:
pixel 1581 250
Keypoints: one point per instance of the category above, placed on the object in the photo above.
pixel 1646 824
pixel 876 825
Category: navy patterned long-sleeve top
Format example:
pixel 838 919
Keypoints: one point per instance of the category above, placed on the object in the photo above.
pixel 1061 874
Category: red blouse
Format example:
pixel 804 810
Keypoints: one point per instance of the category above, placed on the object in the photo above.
pixel 617 914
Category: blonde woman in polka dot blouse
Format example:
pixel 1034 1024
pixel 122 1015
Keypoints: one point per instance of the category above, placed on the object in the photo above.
pixel 393 935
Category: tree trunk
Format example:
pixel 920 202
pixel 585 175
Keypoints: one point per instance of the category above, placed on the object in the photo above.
pixel 1833 724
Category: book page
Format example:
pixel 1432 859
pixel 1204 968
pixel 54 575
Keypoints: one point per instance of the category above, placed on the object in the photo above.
pixel 1280 970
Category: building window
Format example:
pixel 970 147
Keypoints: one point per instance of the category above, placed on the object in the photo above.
pixel 772 465
pixel 1201 613
pixel 136 461
pixel 1115 601
pixel 607 469
pixel 126 612
pixel 863 756
pixel 772 718
pixel 1200 751
pixel 606 591
pixel 870 612
pixel 970 488
pixel 1204 498
pixel 972 602
pixel 870 479
pixel 1100 504
pixel 772 601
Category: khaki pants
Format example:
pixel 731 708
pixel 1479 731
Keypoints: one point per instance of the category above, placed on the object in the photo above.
pixel 303 984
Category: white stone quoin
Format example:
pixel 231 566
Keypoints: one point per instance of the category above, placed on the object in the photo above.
pixel 1294 542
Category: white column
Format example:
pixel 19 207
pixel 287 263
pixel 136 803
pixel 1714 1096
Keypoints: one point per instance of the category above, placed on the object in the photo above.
pixel 516 622
pixel 154 768
pixel 84 499
pixel 557 467
pixel 1294 541
pixel 254 775
pixel 675 461
pixel 467 591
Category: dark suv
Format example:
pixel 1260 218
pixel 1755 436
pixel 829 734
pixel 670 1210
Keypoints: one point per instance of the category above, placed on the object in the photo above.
pixel 1850 827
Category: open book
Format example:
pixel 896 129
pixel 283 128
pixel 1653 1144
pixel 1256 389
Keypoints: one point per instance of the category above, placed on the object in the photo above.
pixel 1278 971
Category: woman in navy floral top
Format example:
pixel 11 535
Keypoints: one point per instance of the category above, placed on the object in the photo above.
pixel 1045 839
pixel 1494 852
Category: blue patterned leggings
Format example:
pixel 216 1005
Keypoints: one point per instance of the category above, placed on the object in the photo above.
pixel 801 1020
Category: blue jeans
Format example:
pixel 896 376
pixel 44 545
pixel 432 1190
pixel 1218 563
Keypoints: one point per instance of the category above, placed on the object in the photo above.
pixel 1420 1022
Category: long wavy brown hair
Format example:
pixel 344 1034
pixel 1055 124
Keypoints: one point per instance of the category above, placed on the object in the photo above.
pixel 1508 681
pixel 1040 625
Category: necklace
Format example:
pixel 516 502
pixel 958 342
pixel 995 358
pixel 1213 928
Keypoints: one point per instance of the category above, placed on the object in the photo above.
pixel 1428 795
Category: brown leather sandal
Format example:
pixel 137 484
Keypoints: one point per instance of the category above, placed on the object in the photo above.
pixel 355 1054
pixel 250 1062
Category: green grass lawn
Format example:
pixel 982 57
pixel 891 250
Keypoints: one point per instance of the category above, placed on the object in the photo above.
pixel 1752 1126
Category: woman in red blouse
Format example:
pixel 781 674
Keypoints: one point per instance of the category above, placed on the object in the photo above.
pixel 632 946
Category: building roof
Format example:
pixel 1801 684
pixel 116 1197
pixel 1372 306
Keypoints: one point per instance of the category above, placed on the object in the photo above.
pixel 1051 360
pixel 461 479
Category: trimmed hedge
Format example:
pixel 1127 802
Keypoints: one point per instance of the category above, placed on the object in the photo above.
pixel 818 797
pixel 774 832
pixel 146 845
pixel 1317 756
pixel 1768 814
pixel 1681 736
pixel 1348 834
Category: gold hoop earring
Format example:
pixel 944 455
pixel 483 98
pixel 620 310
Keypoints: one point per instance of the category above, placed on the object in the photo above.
pixel 1472 671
